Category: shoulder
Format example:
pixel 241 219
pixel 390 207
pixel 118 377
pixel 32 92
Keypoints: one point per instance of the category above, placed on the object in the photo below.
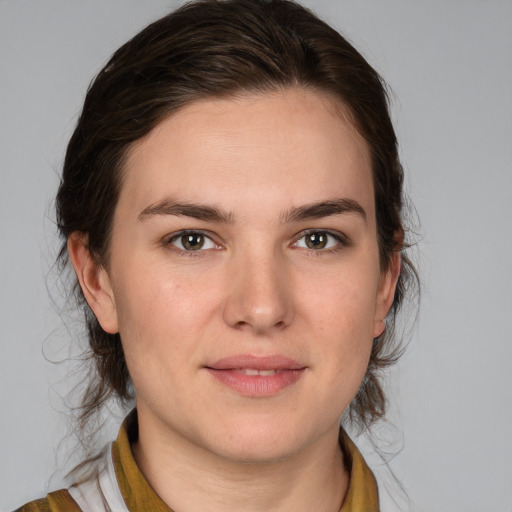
pixel 58 501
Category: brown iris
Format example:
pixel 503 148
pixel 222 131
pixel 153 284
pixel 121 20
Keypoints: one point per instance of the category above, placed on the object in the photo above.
pixel 192 241
pixel 317 240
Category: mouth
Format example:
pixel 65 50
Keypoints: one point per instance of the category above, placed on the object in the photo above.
pixel 256 376
pixel 254 371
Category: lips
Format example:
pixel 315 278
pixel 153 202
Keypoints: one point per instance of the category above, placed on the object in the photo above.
pixel 256 376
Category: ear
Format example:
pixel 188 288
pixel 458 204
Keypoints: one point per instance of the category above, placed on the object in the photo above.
pixel 94 281
pixel 386 293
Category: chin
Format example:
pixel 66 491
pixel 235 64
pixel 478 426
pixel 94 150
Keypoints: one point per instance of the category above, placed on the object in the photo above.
pixel 258 443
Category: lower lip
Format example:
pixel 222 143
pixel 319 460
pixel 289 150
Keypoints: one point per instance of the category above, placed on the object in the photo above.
pixel 257 385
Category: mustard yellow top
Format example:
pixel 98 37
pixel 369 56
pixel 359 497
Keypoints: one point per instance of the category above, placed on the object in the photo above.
pixel 362 495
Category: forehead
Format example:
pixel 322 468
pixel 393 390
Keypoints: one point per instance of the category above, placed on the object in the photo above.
pixel 282 149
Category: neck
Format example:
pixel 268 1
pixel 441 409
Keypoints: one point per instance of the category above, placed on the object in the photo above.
pixel 187 476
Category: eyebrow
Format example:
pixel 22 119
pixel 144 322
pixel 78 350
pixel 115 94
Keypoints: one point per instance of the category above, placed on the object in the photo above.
pixel 197 211
pixel 310 211
pixel 323 209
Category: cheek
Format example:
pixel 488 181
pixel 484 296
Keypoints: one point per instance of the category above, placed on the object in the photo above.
pixel 342 302
pixel 161 314
pixel 342 309
pixel 152 331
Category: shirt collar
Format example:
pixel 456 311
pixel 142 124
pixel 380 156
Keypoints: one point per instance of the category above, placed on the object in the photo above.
pixel 362 495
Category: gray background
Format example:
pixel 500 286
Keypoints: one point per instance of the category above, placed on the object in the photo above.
pixel 449 63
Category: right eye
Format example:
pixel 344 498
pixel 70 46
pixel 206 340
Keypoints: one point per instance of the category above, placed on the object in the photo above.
pixel 191 241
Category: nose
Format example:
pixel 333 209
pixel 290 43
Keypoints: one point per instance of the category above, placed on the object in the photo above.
pixel 260 297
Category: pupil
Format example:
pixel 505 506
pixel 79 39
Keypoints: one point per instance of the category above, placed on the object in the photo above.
pixel 193 241
pixel 316 241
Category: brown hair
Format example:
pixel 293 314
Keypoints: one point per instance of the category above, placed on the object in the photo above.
pixel 212 48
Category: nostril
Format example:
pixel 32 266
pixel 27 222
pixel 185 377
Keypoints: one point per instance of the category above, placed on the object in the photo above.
pixel 244 325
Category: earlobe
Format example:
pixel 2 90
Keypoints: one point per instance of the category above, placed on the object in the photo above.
pixel 386 293
pixel 94 281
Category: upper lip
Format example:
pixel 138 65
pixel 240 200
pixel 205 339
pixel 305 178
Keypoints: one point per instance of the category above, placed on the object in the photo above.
pixel 273 362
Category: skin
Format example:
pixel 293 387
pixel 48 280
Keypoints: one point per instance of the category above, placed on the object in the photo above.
pixel 255 287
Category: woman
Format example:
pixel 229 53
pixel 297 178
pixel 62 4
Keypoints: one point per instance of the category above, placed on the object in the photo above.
pixel 231 204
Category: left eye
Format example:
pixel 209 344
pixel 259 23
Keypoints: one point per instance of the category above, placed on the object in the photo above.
pixel 192 241
pixel 317 240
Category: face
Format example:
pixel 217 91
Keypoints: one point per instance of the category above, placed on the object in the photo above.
pixel 244 276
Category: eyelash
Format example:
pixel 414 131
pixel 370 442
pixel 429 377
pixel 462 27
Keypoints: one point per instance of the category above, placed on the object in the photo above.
pixel 341 242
